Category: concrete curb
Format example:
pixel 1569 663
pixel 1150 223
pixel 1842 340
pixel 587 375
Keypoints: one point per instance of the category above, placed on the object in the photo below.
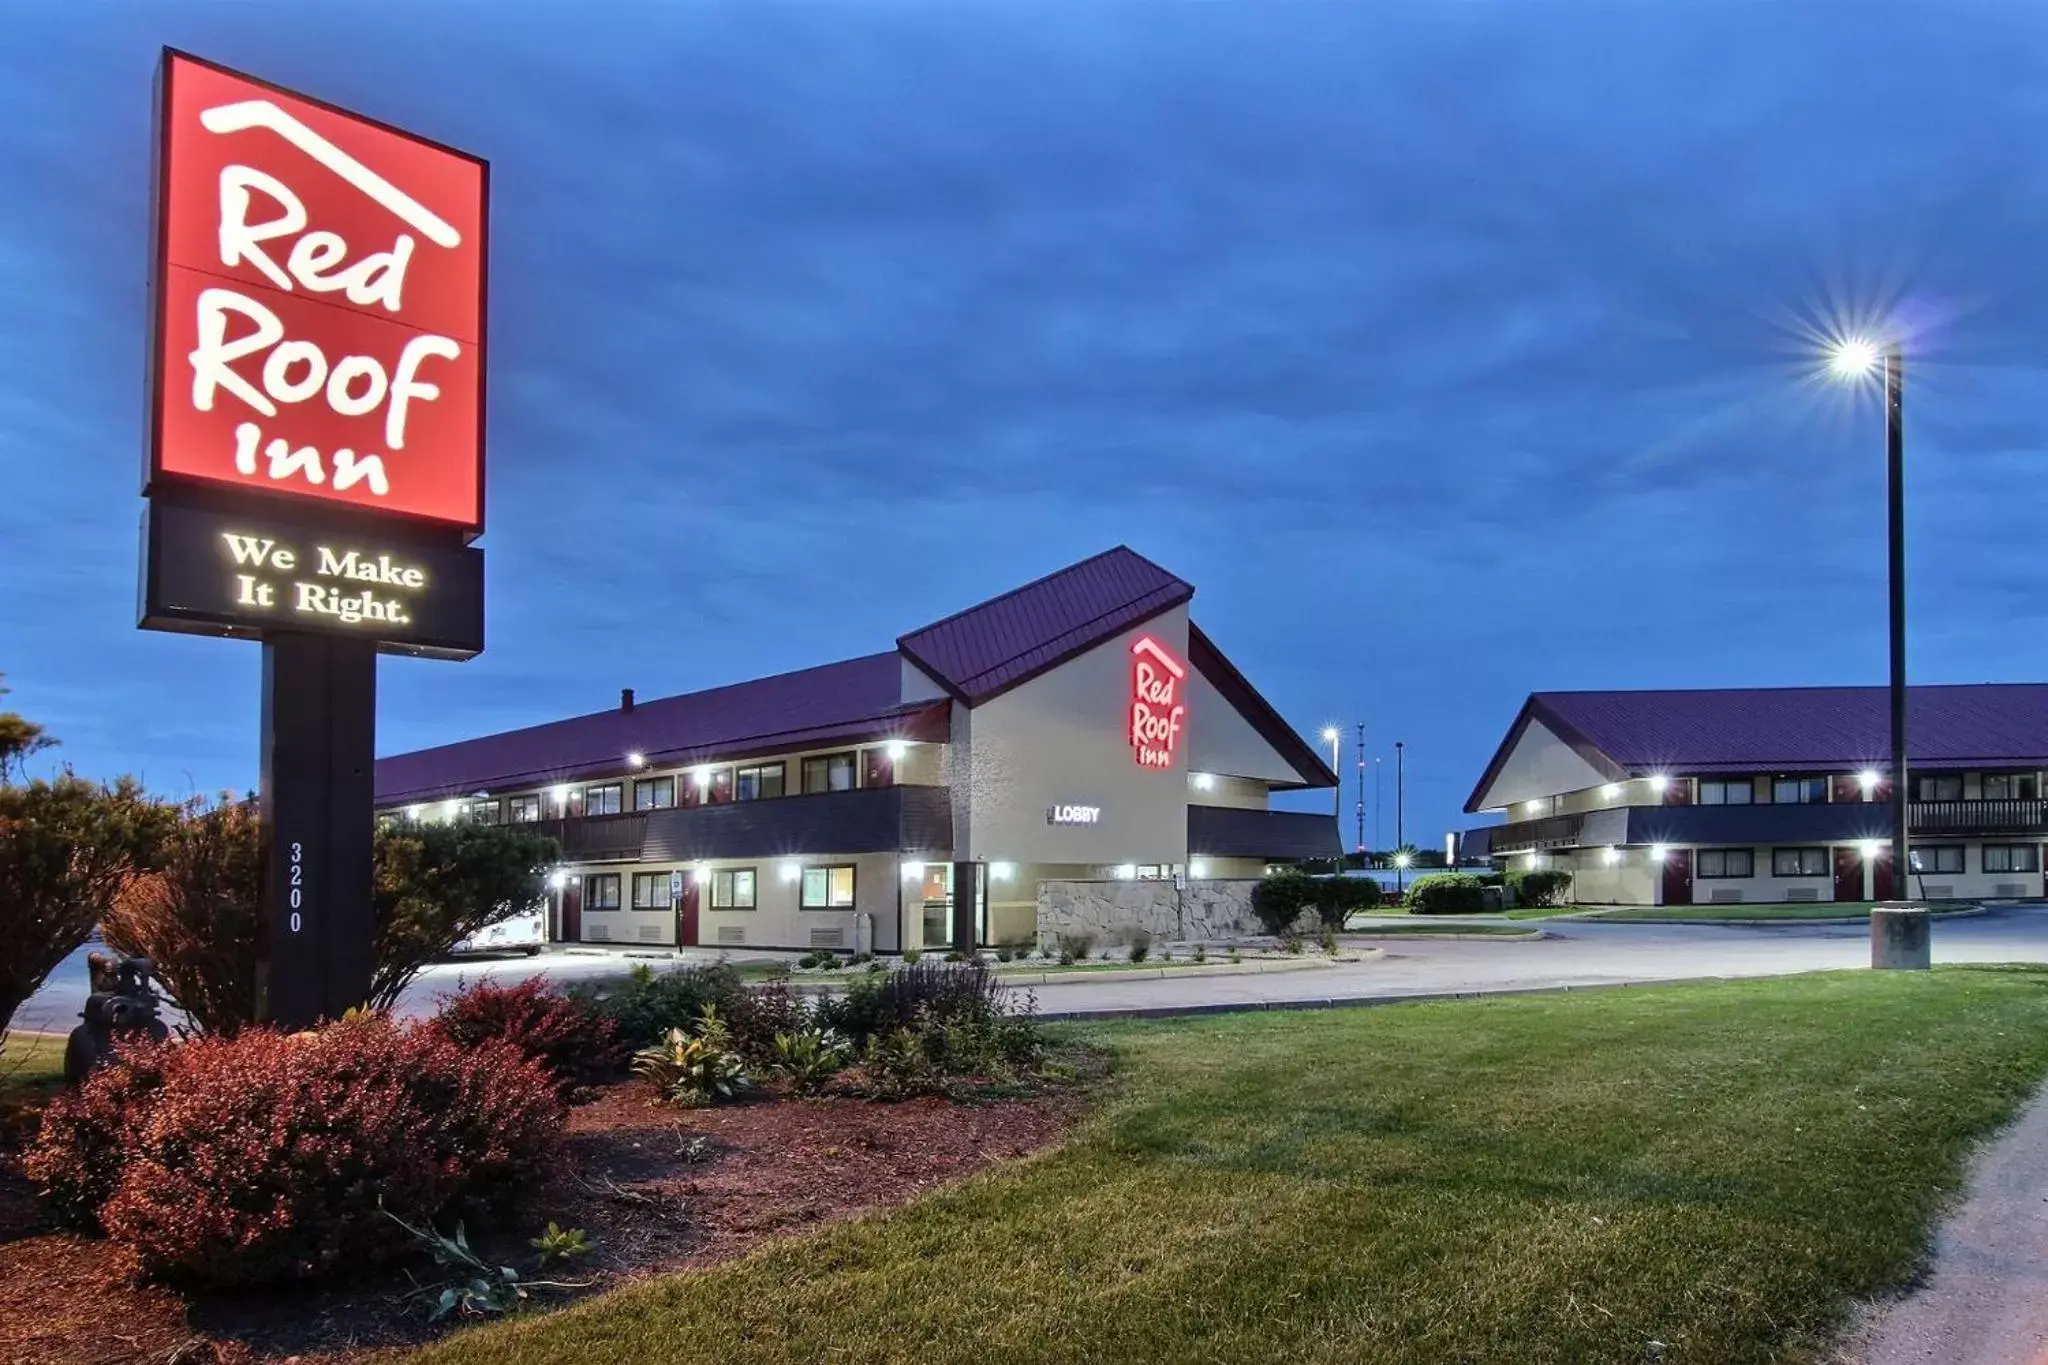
pixel 1799 923
pixel 1059 978
pixel 1359 1002
pixel 1520 936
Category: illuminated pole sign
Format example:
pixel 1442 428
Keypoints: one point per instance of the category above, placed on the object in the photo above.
pixel 315 463
pixel 1158 714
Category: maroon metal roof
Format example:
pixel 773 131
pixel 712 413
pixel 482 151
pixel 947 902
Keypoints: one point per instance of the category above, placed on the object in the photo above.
pixel 989 649
pixel 1788 729
pixel 845 702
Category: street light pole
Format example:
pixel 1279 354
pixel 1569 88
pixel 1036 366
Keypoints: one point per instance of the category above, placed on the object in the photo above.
pixel 1361 794
pixel 1401 811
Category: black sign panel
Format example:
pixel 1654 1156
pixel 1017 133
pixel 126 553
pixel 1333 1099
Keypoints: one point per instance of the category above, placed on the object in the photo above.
pixel 225 573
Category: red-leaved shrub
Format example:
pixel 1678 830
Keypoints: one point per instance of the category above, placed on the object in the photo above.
pixel 576 1044
pixel 266 1156
pixel 86 1133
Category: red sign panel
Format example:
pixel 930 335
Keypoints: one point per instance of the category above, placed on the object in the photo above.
pixel 1158 712
pixel 320 303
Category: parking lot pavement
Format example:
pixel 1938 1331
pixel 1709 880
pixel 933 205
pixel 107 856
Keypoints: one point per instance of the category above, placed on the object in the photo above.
pixel 1571 954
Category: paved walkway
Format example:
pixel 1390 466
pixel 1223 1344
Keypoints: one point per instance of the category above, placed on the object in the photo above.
pixel 1987 1301
pixel 1573 954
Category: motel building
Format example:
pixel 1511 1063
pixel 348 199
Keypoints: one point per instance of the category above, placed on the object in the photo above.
pixel 1081 728
pixel 1771 795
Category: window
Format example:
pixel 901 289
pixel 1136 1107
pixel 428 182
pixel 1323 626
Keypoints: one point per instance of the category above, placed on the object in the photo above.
pixel 1799 862
pixel 1939 789
pixel 828 888
pixel 601 891
pixel 732 888
pixel 650 891
pixel 1727 862
pixel 828 773
pixel 879 770
pixel 2009 787
pixel 1938 858
pixel 1799 791
pixel 1731 792
pixel 522 810
pixel 2012 858
pixel 602 800
pixel 654 793
pixel 763 782
pixel 484 812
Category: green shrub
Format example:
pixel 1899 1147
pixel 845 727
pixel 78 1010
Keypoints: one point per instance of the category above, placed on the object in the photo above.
pixel 1141 944
pixel 1338 898
pixel 1446 893
pixel 810 1058
pixel 875 1005
pixel 646 1004
pixel 910 956
pixel 1201 952
pixel 1291 943
pixel 1279 899
pixel 694 1069
pixel 1539 886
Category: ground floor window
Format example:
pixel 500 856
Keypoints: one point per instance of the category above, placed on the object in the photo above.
pixel 1727 862
pixel 828 888
pixel 1938 858
pixel 650 891
pixel 601 891
pixel 2012 858
pixel 732 888
pixel 1799 862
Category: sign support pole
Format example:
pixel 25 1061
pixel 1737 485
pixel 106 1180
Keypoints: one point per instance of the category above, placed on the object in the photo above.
pixel 319 742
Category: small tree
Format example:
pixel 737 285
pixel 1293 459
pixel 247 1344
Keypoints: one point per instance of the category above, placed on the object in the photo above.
pixel 66 848
pixel 437 884
pixel 19 737
pixel 199 917
pixel 1279 899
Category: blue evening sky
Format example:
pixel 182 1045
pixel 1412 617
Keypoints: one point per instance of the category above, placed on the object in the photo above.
pixel 1452 349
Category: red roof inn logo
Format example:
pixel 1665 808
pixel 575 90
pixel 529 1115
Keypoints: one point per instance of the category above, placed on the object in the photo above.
pixel 320 303
pixel 1157 713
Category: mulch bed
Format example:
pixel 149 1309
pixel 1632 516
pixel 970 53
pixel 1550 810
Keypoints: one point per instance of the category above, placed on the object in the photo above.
pixel 657 1189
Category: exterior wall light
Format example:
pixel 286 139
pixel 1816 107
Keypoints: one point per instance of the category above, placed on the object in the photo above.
pixel 557 880
pixel 1657 852
pixel 1610 791
pixel 1532 806
pixel 700 875
pixel 790 872
pixel 912 871
pixel 1867 779
pixel 637 759
pixel 1198 869
pixel 1127 872
pixel 1610 855
pixel 451 808
pixel 898 750
pixel 1002 872
pixel 415 812
pixel 1871 848
pixel 1535 858
pixel 561 795
pixel 1660 784
pixel 1204 781
pixel 701 775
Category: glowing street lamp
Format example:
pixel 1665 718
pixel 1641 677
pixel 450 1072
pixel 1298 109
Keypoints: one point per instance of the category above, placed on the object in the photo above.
pixel 1334 737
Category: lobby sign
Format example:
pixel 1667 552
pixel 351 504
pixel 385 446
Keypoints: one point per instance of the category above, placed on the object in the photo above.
pixel 214 572
pixel 1073 815
pixel 1158 715
pixel 318 317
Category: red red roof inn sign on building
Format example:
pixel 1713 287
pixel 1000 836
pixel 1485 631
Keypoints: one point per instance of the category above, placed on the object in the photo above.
pixel 1158 715
pixel 315 454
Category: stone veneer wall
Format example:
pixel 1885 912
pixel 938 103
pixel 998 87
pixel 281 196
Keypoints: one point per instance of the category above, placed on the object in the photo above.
pixel 1111 910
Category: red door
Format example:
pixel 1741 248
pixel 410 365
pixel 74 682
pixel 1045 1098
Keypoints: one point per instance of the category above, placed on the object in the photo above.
pixel 1881 875
pixel 1677 876
pixel 1848 874
pixel 686 914
pixel 880 771
pixel 572 910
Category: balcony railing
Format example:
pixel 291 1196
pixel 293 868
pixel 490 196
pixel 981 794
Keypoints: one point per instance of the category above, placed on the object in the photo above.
pixel 1977 817
pixel 595 838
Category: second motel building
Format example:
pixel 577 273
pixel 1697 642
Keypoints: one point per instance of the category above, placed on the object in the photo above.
pixel 1081 727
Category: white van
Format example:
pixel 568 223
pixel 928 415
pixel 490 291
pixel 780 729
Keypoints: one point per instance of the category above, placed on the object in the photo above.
pixel 526 932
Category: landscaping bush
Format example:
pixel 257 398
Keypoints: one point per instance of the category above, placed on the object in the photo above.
pixel 274 1156
pixel 572 1041
pixel 1540 886
pixel 1279 899
pixel 647 1004
pixel 809 1057
pixel 1141 944
pixel 755 1016
pixel 199 917
pixel 1446 893
pixel 1337 898
pixel 876 1005
pixel 1075 947
pixel 694 1067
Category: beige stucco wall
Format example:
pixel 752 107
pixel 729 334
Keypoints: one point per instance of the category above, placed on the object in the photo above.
pixel 1220 740
pixel 1243 793
pixel 1060 739
pixel 776 922
pixel 1540 765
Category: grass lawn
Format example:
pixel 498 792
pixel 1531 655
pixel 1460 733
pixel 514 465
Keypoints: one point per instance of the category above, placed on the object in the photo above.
pixel 1797 910
pixel 1716 1167
pixel 1442 924
pixel 31 1070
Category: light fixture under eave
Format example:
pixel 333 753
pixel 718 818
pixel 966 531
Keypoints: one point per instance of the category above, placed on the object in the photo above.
pixel 1660 784
pixel 1198 869
pixel 1610 855
pixel 561 795
pixel 1127 872
pixel 1532 806
pixel 897 750
pixel 912 871
pixel 1203 781
pixel 701 775
pixel 415 812
pixel 791 871
pixel 1001 872
pixel 1872 848
pixel 1867 779
pixel 1657 852
pixel 636 759
pixel 558 880
pixel 1610 791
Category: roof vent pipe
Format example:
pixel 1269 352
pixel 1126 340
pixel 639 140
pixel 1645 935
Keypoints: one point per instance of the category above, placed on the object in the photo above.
pixel 625 699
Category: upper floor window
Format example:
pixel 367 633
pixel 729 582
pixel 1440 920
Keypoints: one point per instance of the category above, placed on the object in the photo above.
pixel 650 891
pixel 1733 791
pixel 1799 791
pixel 1799 862
pixel 761 782
pixel 1937 857
pixel 828 888
pixel 602 800
pixel 1946 788
pixel 732 888
pixel 1727 862
pixel 2012 858
pixel 828 773
pixel 2010 787
pixel 521 810
pixel 601 891
pixel 484 812
pixel 654 793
